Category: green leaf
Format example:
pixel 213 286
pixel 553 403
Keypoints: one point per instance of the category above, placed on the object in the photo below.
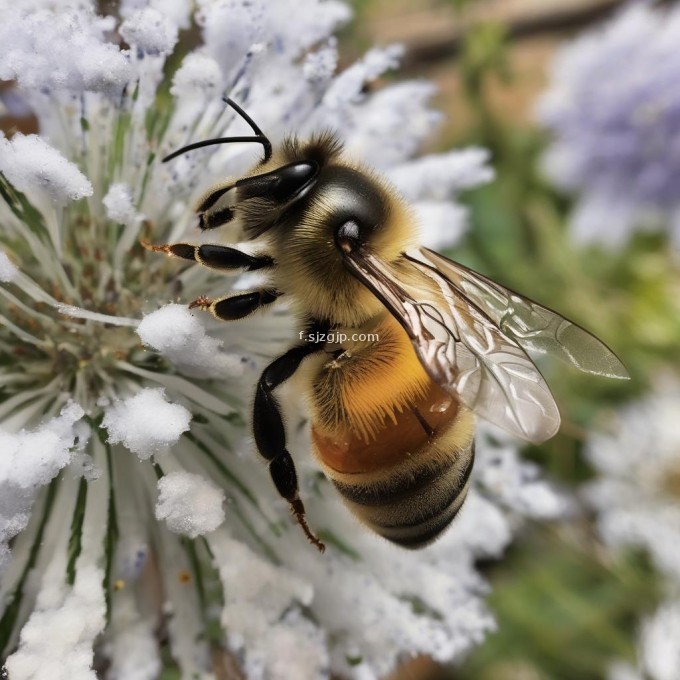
pixel 23 209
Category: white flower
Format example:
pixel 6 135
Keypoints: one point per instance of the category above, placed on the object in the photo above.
pixel 637 493
pixel 125 466
pixel 658 648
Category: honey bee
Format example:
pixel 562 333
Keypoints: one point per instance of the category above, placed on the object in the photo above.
pixel 392 421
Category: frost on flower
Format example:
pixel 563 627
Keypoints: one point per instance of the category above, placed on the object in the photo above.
pixel 48 51
pixel 101 358
pixel 189 504
pixel 146 423
pixel 615 128
pixel 119 206
pixel 150 32
pixel 637 492
pixel 61 622
pixel 30 460
pixel 180 337
pixel 198 74
pixel 32 165
pixel 7 269
pixel 134 648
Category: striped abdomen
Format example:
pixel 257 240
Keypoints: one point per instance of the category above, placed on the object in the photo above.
pixel 412 510
pixel 397 447
pixel 406 493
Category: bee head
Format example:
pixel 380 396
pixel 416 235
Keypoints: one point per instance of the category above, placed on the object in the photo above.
pixel 348 211
pixel 363 212
pixel 355 207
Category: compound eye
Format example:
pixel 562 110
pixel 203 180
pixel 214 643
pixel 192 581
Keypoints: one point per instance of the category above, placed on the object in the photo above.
pixel 347 236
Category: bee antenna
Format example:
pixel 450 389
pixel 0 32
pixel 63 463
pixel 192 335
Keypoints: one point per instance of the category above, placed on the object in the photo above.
pixel 259 138
pixel 255 128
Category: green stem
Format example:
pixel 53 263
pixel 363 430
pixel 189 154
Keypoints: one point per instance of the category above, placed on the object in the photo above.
pixel 111 537
pixel 75 541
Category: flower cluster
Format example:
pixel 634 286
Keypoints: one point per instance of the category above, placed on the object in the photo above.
pixel 637 498
pixel 613 108
pixel 658 648
pixel 135 521
pixel 637 491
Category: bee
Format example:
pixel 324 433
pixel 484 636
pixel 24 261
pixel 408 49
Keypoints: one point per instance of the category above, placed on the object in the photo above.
pixel 392 421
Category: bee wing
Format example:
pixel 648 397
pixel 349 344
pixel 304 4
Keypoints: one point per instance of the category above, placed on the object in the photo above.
pixel 532 326
pixel 463 350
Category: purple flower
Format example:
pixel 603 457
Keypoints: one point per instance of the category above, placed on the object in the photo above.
pixel 613 108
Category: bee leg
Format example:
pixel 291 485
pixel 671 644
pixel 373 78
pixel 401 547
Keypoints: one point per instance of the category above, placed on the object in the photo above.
pixel 235 307
pixel 270 433
pixel 213 256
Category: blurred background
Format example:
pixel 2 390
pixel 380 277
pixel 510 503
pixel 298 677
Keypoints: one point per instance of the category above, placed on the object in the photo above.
pixel 568 607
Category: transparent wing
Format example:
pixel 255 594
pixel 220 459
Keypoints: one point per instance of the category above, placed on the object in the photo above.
pixel 462 348
pixel 530 325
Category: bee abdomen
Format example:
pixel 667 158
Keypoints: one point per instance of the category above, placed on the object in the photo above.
pixel 412 510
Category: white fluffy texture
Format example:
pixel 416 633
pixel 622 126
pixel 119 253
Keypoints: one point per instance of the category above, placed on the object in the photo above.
pixel 260 22
pixel 442 176
pixel 31 459
pixel 31 164
pixel 514 483
pixel 179 336
pixel 440 224
pixel 660 643
pixel 33 5
pixel 177 11
pixel 82 465
pixel 57 640
pixel 319 67
pixel 391 126
pixel 198 74
pixel 294 643
pixel 636 493
pixel 297 616
pixel 430 183
pixel 262 616
pixel 348 85
pixel 119 205
pixel 389 602
pixel 189 504
pixel 146 423
pixel 8 270
pixel 658 648
pixel 134 648
pixel 150 32
pixel 59 49
pixel 28 461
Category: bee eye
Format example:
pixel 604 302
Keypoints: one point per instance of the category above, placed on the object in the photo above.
pixel 347 236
